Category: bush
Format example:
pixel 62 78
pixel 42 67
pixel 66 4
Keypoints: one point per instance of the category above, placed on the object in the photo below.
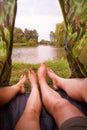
pixel 44 42
pixel 32 43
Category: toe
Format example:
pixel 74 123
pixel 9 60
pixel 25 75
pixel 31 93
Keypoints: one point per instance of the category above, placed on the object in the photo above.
pixel 21 76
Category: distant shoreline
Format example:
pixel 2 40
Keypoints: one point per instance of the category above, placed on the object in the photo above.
pixel 22 45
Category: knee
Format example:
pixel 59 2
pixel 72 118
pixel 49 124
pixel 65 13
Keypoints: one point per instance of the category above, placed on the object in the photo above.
pixel 60 104
pixel 32 114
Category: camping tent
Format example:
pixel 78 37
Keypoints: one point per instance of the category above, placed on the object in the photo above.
pixel 75 16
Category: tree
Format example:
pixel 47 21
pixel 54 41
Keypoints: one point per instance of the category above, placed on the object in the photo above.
pixel 19 36
pixel 44 42
pixel 60 34
pixel 57 38
pixel 26 36
pixel 31 34
pixel 52 37
pixel 35 35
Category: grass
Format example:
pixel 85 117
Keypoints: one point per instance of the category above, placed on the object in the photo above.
pixel 29 44
pixel 60 67
pixel 19 44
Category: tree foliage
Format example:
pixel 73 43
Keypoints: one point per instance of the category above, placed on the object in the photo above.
pixel 19 36
pixel 58 37
pixel 31 34
pixel 52 37
pixel 26 36
pixel 44 42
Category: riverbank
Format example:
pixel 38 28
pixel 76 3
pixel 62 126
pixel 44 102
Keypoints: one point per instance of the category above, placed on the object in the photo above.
pixel 31 44
pixel 60 67
pixel 18 45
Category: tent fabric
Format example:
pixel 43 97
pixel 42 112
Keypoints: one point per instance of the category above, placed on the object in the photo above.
pixel 7 20
pixel 75 16
pixel 11 112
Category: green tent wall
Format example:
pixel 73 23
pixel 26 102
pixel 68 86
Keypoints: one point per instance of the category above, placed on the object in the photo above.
pixel 75 16
pixel 7 20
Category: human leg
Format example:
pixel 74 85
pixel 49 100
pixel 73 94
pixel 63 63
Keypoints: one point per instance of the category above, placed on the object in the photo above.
pixel 58 107
pixel 76 88
pixel 30 117
pixel 7 93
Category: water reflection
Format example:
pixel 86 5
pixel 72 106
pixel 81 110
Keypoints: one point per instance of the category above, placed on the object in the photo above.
pixel 36 54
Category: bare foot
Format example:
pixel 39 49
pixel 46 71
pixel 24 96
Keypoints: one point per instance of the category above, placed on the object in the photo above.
pixel 35 101
pixel 76 88
pixel 32 78
pixel 42 71
pixel 55 79
pixel 20 84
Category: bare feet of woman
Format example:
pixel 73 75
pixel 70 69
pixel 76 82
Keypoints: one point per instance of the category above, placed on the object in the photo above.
pixel 55 79
pixel 20 84
pixel 32 78
pixel 61 82
pixel 76 88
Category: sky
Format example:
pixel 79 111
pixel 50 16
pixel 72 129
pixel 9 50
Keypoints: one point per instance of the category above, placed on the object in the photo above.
pixel 42 15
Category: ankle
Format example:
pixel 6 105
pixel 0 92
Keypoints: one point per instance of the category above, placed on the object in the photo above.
pixel 16 87
pixel 34 86
pixel 42 80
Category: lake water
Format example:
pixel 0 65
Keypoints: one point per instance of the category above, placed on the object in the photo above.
pixel 37 54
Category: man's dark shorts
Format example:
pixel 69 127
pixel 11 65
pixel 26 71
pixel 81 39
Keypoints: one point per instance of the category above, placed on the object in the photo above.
pixel 76 123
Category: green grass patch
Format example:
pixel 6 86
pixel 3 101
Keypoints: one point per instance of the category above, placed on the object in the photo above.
pixel 19 44
pixel 60 67
pixel 26 44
